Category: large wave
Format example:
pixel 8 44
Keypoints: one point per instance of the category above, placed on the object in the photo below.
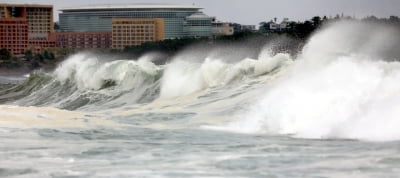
pixel 89 82
pixel 343 85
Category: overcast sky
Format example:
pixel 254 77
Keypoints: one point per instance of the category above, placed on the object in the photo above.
pixel 252 12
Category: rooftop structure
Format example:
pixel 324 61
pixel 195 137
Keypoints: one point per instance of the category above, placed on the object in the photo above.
pixel 131 6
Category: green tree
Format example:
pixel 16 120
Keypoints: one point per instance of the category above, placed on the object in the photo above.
pixel 52 56
pixel 5 54
pixel 56 26
pixel 38 57
pixel 316 21
pixel 28 55
pixel 46 54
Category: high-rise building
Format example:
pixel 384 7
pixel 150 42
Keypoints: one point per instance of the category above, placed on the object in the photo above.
pixel 135 31
pixel 178 19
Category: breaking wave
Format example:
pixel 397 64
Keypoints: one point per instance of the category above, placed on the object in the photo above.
pixel 343 84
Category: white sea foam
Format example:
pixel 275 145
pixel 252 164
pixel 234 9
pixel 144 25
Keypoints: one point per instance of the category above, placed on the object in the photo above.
pixel 90 73
pixel 338 88
pixel 185 77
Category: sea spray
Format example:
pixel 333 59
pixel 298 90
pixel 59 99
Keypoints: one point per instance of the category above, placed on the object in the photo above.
pixel 182 77
pixel 337 88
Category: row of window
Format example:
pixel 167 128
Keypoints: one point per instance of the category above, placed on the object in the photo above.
pixel 136 33
pixel 39 29
pixel 14 23
pixel 133 39
pixel 74 38
pixel 133 22
pixel 14 39
pixel 133 27
pixel 12 32
pixel 39 24
pixel 13 46
pixel 41 21
pixel 84 42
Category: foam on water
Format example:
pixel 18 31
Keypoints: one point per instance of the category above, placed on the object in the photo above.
pixel 214 116
pixel 340 87
pixel 183 77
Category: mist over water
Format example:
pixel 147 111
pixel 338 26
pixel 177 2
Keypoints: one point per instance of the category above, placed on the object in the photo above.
pixel 342 85
pixel 226 112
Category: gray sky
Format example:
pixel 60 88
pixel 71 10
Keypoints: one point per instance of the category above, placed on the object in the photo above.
pixel 252 12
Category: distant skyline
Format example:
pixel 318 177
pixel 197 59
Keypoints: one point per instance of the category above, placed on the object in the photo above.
pixel 251 12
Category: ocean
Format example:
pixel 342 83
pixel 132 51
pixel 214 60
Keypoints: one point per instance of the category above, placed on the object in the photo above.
pixel 332 110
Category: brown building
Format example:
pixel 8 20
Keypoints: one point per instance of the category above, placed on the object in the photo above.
pixel 38 17
pixel 86 40
pixel 14 35
pixel 221 28
pixel 26 26
pixel 135 31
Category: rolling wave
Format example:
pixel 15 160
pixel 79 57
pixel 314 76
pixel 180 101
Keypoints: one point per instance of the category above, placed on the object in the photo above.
pixel 343 84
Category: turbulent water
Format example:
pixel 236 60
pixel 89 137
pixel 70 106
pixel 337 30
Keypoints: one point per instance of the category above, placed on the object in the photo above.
pixel 331 111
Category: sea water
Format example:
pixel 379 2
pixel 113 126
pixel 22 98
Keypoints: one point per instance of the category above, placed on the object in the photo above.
pixel 330 111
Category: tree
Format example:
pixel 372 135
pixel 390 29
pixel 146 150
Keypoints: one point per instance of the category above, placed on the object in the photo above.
pixel 39 57
pixel 56 26
pixel 52 56
pixel 5 54
pixel 46 54
pixel 28 55
pixel 316 21
pixel 394 19
pixel 264 27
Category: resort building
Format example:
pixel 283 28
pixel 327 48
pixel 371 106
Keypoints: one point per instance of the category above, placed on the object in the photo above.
pixel 38 17
pixel 25 26
pixel 178 19
pixel 135 31
pixel 221 28
pixel 198 25
pixel 85 40
pixel 14 35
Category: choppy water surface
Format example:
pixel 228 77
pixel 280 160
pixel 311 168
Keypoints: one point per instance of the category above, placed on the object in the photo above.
pixel 332 111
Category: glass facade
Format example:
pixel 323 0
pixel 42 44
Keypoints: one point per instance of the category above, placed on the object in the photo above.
pixel 198 25
pixel 100 19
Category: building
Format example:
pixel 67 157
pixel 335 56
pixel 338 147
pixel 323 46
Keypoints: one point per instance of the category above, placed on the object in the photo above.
pixel 25 26
pixel 14 35
pixel 198 25
pixel 273 26
pixel 251 28
pixel 242 28
pixel 85 40
pixel 221 28
pixel 178 19
pixel 135 31
pixel 38 17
